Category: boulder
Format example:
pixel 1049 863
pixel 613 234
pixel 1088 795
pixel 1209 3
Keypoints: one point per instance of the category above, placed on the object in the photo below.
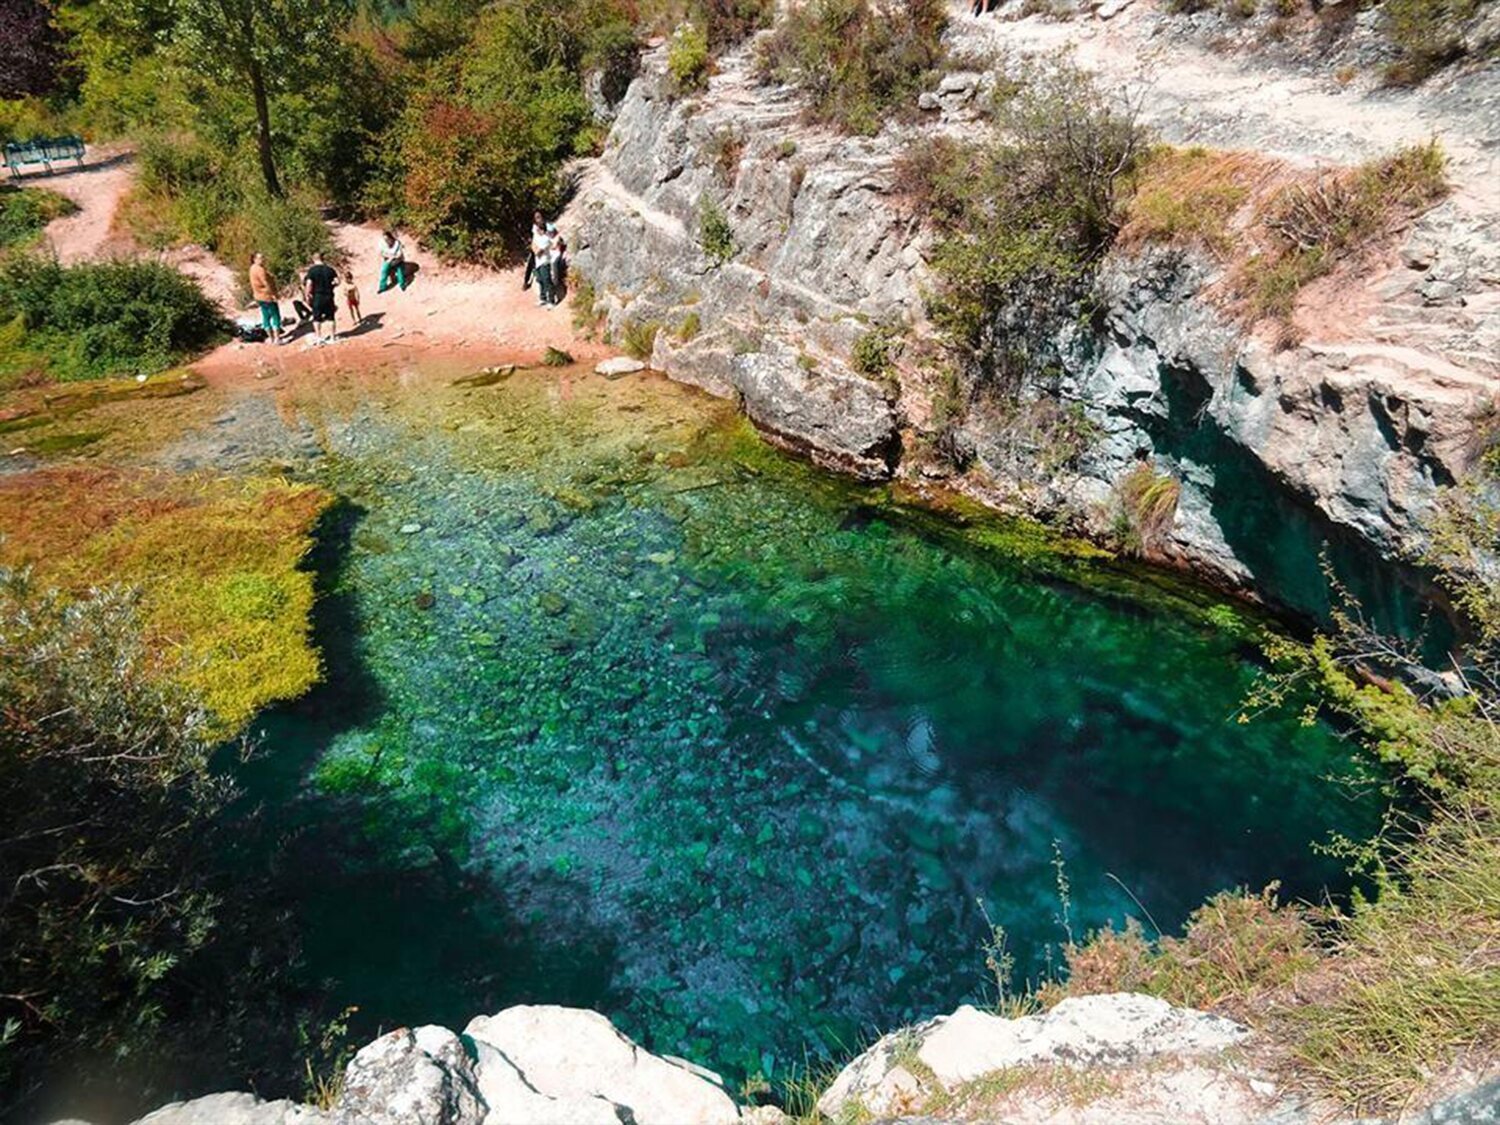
pixel 1116 1030
pixel 234 1109
pixel 827 413
pixel 575 1058
pixel 421 1077
pixel 618 365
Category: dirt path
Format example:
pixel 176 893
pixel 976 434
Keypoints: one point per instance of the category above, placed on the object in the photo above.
pixel 452 314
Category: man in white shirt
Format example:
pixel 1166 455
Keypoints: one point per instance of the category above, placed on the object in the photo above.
pixel 542 246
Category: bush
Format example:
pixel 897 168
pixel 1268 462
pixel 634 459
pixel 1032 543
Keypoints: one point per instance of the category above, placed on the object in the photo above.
pixel 1313 226
pixel 688 60
pixel 639 338
pixel 1189 196
pixel 25 213
pixel 875 352
pixel 106 318
pixel 107 791
pixel 715 235
pixel 1427 33
pixel 1148 507
pixel 858 63
pixel 1023 220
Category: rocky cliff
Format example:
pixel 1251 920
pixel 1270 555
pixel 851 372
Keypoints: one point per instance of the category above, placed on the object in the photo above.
pixel 1337 445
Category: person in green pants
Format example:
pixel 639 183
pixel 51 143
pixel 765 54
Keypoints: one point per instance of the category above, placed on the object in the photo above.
pixel 392 262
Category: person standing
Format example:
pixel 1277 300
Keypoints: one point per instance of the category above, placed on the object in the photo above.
pixel 319 283
pixel 542 247
pixel 392 262
pixel 263 289
pixel 559 265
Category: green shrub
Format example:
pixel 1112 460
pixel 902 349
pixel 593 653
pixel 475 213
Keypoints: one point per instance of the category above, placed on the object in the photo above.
pixel 1427 33
pixel 1022 220
pixel 857 62
pixel 688 60
pixel 715 235
pixel 874 353
pixel 287 231
pixel 1316 225
pixel 106 318
pixel 25 213
pixel 639 338
pixel 1148 506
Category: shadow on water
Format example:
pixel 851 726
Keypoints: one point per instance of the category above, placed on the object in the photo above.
pixel 406 935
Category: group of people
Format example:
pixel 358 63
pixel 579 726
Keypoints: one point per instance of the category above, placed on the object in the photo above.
pixel 318 303
pixel 547 262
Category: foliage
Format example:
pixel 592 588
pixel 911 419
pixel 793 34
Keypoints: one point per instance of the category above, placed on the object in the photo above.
pixel 1023 219
pixel 1234 950
pixel 875 352
pixel 638 337
pixel 224 605
pixel 1148 506
pixel 556 357
pixel 25 212
pixel 105 318
pixel 715 235
pixel 31 48
pixel 691 325
pixel 587 315
pixel 1188 196
pixel 688 61
pixel 1313 226
pixel 1427 33
pixel 857 62
pixel 104 776
pixel 481 143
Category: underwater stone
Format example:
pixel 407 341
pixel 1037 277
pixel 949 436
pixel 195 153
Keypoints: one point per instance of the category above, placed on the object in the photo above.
pixel 410 528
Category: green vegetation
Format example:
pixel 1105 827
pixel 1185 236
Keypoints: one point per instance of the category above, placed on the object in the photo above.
pixel 688 61
pixel 715 235
pixel 104 775
pixel 638 338
pixel 858 63
pixel 1314 226
pixel 24 212
pixel 92 320
pixel 1427 33
pixel 875 352
pixel 223 603
pixel 1023 219
pixel 1148 505
pixel 691 325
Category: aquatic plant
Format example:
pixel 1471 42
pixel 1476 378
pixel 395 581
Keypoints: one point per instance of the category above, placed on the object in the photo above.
pixel 224 600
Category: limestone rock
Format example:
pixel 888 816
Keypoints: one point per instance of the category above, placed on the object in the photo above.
pixel 618 365
pixel 234 1109
pixel 575 1058
pixel 1118 1029
pixel 834 416
pixel 421 1077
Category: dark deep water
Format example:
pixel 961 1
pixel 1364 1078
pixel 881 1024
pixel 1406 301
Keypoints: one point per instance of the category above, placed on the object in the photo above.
pixel 626 710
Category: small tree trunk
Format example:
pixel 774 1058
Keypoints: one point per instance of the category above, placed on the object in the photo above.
pixel 263 128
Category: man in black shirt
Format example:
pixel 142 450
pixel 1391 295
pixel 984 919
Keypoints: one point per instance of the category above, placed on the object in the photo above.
pixel 319 284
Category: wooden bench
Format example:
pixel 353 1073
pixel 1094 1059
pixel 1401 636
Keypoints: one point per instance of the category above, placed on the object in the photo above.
pixel 43 151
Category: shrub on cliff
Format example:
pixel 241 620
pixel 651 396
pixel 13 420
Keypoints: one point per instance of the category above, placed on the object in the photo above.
pixel 858 62
pixel 1428 34
pixel 104 318
pixel 1024 218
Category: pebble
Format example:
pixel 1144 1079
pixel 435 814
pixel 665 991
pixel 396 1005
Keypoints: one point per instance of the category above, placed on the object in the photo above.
pixel 410 528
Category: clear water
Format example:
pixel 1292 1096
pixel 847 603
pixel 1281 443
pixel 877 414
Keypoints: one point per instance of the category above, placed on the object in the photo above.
pixel 626 710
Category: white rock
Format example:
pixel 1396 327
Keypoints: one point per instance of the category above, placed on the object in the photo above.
pixel 571 1054
pixel 1111 8
pixel 1110 1030
pixel 618 365
pixel 233 1109
pixel 514 1101
pixel 421 1077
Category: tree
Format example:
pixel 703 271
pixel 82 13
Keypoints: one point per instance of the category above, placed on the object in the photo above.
pixel 267 44
pixel 30 49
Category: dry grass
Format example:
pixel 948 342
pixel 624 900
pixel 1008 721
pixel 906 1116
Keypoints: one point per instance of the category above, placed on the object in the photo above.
pixel 218 562
pixel 1194 196
pixel 1148 506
